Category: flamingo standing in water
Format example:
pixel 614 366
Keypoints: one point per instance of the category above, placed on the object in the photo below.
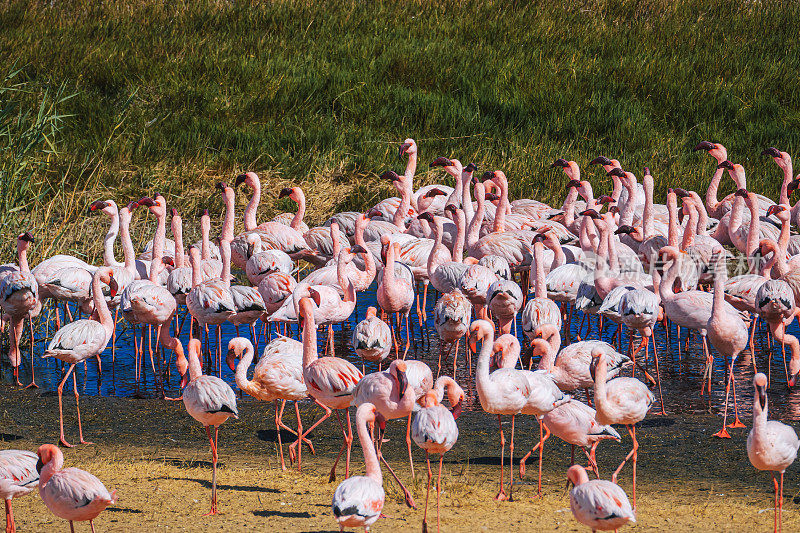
pixel 278 375
pixel 19 299
pixel 395 294
pixel 331 382
pixel 503 392
pixel 434 430
pixel 83 339
pixel 209 400
pixel 70 493
pixel 599 504
pixel 358 500
pixel 728 333
pixel 620 401
pixel 18 477
pixel 372 338
pixel 771 445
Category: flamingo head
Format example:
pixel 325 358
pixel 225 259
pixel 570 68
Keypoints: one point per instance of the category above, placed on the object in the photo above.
pixel 427 215
pixel 409 147
pixel 248 178
pixel 471 167
pixel 601 160
pixel 27 237
pixel 772 152
pixel 681 193
pixel 48 453
pixel 591 213
pixel 358 249
pixel 616 172
pixel 285 192
pixel 576 475
pixel 441 161
pixel 236 347
pixel 605 199
pixel 715 150
pixel 97 204
pixel 221 186
pixel 146 202
pixel 398 370
pixel 760 384
pixel 560 163
pixel 597 357
pixel 624 229
pixel 727 165
pixel 451 208
pixel 315 295
pixel 741 192
pixel 774 209
pixel 793 186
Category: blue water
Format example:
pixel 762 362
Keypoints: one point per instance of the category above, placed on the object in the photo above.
pixel 681 376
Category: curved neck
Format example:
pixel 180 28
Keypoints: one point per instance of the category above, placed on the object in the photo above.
pixel 540 288
pixel 250 212
pixel 787 178
pixel 711 194
pixel 720 276
pixel 473 232
pixel 600 371
pixel 736 215
pixel 205 229
pixel 195 368
pixel 125 236
pixel 406 192
pixel 500 221
pixel 156 263
pixel 53 466
pixel 702 215
pixel 230 214
pixel 388 270
pixel 785 235
pixel 225 252
pixel 177 233
pixel 667 283
pixel 371 464
pixel 672 210
pixel 569 206
pixel 411 170
pixel 466 197
pixel 458 245
pixel 690 227
pixel 754 230
pixel 241 369
pixel 22 256
pixel 482 368
pixel 111 237
pixel 548 347
pixel 309 338
pixel 439 250
pixel 194 262
pixel 647 213
pixel 629 209
pixel 616 190
pixel 341 274
pixel 297 220
pixel 100 305
pixel 500 218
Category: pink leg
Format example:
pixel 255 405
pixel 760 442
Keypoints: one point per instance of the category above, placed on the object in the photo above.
pixel 61 407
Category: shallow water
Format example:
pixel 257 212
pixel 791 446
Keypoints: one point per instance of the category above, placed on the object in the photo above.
pixel 681 375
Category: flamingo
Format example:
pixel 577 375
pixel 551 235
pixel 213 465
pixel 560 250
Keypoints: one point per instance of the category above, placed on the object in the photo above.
pixel 331 381
pixel 504 300
pixel 389 392
pixel 278 375
pixel 209 400
pixel 81 340
pixel 599 504
pixel 18 477
pixel 372 338
pixel 434 430
pixel 296 219
pixel 503 392
pixel 451 317
pixel 540 309
pixel 358 500
pixel 620 401
pixel 771 445
pixel 19 299
pixel 395 295
pixel 475 285
pixel 70 493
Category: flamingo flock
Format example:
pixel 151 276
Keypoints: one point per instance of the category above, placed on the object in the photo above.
pixel 515 282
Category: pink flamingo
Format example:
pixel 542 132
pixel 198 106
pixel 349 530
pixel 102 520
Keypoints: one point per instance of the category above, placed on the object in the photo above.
pixel 504 300
pixel 599 504
pixel 389 392
pixel 331 382
pixel 620 401
pixel 19 299
pixel 771 445
pixel 434 430
pixel 395 295
pixel 358 500
pixel 540 309
pixel 83 339
pixel 70 493
pixel 275 288
pixel 503 392
pixel 278 375
pixel 18 477
pixel 209 400
pixel 451 317
pixel 179 281
pixel 372 338
pixel 475 284
pixel 296 220
pixel 727 332
pixel 147 301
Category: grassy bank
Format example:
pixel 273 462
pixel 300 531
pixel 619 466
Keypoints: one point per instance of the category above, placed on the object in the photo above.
pixel 175 95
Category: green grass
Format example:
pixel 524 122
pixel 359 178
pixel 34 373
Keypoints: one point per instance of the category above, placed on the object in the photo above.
pixel 176 94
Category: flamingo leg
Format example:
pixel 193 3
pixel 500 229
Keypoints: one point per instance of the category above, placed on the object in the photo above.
pixel 278 431
pixel 15 329
pixel 213 442
pixel 409 499
pixel 332 476
pixel 61 407
pixel 723 433
pixel 313 426
pixel 408 445
pixel 541 452
pixel 632 454
pixel 539 444
pixel 658 375
pixel 775 504
pixel 427 493
pixel 11 528
pixel 78 408
pixel 780 506
pixel 511 461
pixel 33 384
pixel 502 494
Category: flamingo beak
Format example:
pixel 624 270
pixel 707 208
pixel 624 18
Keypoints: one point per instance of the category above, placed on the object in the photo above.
pixel 457 409
pixel 316 296
pixel 39 465
pixel 402 382
pixel 231 360
pixel 184 380
pixel 791 384
pixel 113 287
pixel 592 368
pixel 403 149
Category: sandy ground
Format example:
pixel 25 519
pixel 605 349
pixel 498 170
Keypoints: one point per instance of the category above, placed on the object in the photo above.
pixel 157 458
